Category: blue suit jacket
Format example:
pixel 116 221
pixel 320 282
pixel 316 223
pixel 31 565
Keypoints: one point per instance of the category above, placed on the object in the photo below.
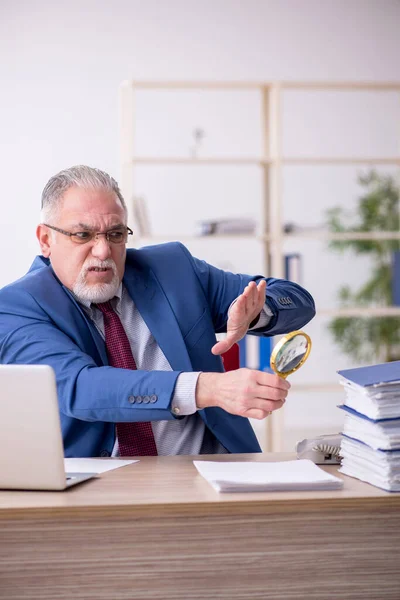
pixel 184 302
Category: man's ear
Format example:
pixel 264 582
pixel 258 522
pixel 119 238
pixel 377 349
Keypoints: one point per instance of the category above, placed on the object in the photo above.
pixel 44 236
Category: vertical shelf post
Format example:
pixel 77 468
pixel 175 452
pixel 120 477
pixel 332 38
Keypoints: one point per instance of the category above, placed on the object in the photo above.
pixel 126 145
pixel 275 422
pixel 265 165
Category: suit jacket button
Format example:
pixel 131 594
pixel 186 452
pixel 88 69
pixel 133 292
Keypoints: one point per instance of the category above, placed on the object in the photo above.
pixel 153 399
pixel 146 399
pixel 105 453
pixel 139 399
pixel 132 399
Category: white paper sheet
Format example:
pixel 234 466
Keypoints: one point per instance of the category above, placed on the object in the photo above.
pixel 266 476
pixel 94 465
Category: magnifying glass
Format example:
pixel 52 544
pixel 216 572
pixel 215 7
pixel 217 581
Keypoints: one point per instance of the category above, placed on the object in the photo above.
pixel 290 353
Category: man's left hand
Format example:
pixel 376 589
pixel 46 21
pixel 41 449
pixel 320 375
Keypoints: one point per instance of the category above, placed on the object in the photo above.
pixel 246 308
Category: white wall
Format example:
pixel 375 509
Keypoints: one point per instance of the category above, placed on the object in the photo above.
pixel 61 65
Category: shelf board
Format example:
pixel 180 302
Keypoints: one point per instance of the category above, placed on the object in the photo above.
pixel 384 86
pixel 317 235
pixel 345 236
pixel 171 160
pixel 290 160
pixel 340 160
pixel 251 85
pixel 197 85
pixel 187 238
pixel 360 311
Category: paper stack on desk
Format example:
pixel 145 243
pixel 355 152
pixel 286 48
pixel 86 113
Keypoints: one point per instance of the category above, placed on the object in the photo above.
pixel 370 447
pixel 289 475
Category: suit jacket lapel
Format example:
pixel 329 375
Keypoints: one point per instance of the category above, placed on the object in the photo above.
pixel 153 305
pixel 95 335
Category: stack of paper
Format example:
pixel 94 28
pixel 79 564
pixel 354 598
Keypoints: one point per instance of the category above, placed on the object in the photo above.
pixel 266 476
pixel 94 465
pixel 370 448
pixel 378 467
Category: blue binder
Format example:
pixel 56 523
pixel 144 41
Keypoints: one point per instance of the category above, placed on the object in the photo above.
pixel 355 413
pixel 388 451
pixel 374 374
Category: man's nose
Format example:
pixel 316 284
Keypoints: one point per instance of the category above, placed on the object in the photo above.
pixel 101 248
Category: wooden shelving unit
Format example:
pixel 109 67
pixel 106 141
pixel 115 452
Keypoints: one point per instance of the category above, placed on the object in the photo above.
pixel 271 163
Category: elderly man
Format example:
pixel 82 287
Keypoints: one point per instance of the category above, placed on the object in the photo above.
pixel 130 334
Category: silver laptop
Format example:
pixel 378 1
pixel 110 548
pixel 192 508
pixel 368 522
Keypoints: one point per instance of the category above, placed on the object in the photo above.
pixel 31 446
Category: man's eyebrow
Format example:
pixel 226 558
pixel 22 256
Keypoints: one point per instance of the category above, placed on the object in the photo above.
pixel 86 227
pixel 118 226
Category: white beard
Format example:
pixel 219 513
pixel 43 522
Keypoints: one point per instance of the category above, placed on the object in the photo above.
pixel 99 292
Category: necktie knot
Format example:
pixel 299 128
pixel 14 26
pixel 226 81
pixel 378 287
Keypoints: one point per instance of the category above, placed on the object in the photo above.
pixel 105 307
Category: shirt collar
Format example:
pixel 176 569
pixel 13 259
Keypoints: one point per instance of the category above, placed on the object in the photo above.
pixel 91 307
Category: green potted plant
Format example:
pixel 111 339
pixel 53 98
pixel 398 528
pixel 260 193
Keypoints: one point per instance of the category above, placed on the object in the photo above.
pixel 369 338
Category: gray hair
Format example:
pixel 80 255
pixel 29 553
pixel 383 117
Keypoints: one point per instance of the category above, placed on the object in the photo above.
pixel 80 176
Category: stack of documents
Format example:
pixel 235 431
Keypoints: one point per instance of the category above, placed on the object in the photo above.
pixel 370 447
pixel 289 475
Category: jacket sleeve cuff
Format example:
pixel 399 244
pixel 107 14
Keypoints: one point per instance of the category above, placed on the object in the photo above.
pixel 263 318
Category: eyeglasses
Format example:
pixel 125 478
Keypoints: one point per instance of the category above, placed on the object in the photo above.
pixel 114 236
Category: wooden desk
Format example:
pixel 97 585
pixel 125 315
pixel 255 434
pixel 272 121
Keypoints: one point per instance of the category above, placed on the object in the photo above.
pixel 157 530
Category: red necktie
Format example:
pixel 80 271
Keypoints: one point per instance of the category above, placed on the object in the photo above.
pixel 134 439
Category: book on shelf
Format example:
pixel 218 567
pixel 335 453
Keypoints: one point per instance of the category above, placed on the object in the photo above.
pixel 229 226
pixel 293 267
pixel 141 217
pixel 370 447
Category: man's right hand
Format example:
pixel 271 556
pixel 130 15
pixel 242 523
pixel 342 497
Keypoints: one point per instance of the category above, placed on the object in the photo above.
pixel 244 392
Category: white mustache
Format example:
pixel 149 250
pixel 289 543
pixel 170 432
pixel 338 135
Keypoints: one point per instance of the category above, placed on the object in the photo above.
pixel 100 264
